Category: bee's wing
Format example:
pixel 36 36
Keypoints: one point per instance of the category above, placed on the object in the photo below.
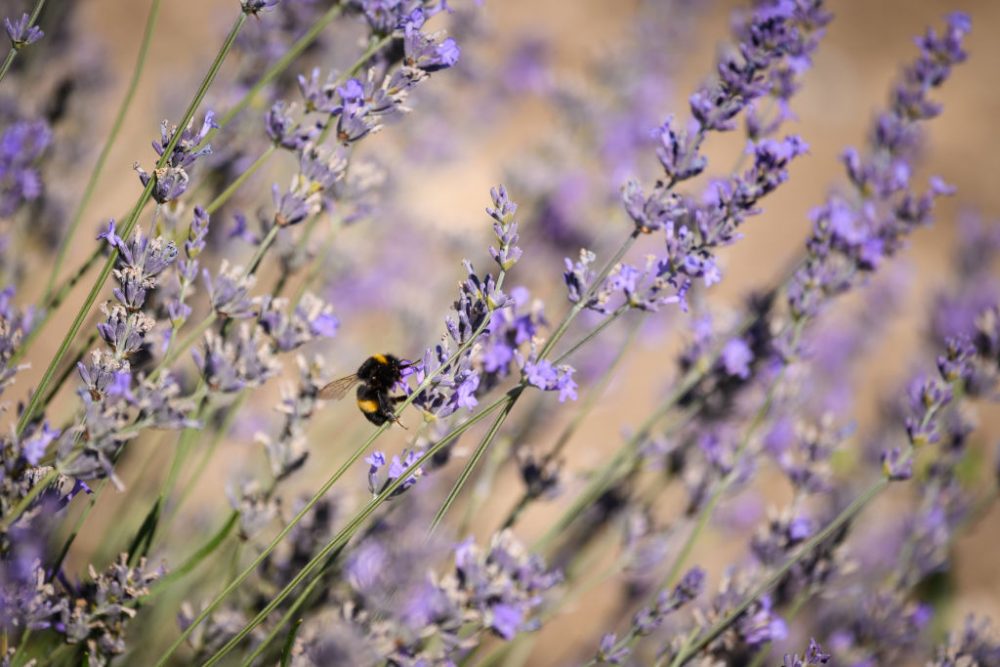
pixel 337 389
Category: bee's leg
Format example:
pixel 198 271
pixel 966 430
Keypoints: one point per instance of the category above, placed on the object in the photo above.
pixel 385 404
pixel 398 399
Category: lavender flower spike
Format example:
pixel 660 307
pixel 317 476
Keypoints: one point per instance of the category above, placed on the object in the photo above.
pixel 21 33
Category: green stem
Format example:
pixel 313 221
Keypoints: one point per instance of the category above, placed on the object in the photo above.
pixel 198 556
pixel 258 255
pixel 9 60
pixel 56 300
pixel 116 126
pixel 593 333
pixel 582 303
pixel 708 509
pixel 609 473
pixel 177 350
pixel 67 372
pixel 289 615
pixel 585 409
pixel 57 563
pixel 281 64
pixel 28 498
pixel 342 537
pixel 358 453
pixel 474 459
pixel 224 196
pixel 202 465
pixel 34 403
pixel 726 621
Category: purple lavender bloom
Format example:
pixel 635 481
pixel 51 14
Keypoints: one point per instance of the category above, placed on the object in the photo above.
pixel 21 33
pixel 14 325
pixel 677 151
pixel 385 16
pixel 230 291
pixel 284 130
pixel 667 602
pixel 318 96
pixel 976 643
pixel 381 475
pixel 897 465
pixel 311 319
pixel 33 449
pixel 850 239
pixel 297 204
pixel 230 365
pixel 189 147
pixel 21 145
pixel 170 182
pixel 545 376
pixel 197 233
pixel 814 657
pixel 507 620
pixel 736 358
pixel 425 52
pixel 610 652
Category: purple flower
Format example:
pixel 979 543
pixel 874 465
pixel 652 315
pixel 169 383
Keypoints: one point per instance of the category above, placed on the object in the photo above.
pixel 285 131
pixel 814 657
pixel 425 52
pixel 545 376
pixel 897 465
pixel 610 652
pixel 380 475
pixel 21 33
pixel 507 620
pixel 189 146
pixel 21 145
pixel 736 358
pixel 34 447
pixel 230 291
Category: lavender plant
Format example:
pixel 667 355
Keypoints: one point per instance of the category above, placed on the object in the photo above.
pixel 175 490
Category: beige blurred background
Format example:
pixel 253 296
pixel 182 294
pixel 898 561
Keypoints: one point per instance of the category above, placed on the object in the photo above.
pixel 854 67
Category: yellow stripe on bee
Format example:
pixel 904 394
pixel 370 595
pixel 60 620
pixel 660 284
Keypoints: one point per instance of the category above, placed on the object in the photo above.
pixel 368 406
pixel 380 358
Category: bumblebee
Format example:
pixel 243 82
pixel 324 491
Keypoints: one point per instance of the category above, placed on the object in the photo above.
pixel 376 376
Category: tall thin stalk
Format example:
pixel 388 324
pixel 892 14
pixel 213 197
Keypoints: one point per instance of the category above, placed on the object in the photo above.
pixel 116 126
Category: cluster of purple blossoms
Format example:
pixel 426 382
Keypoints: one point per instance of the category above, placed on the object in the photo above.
pixel 15 324
pixel 381 473
pixel 853 234
pixel 777 38
pixel 498 332
pixel 21 32
pixel 21 145
pixel 287 451
pixel 493 589
pixel 381 582
pixel 649 618
pixel 170 180
pixel 116 399
pixel 177 309
pixel 386 16
pixel 813 657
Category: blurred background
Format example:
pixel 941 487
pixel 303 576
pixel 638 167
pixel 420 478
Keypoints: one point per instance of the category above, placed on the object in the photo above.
pixel 521 110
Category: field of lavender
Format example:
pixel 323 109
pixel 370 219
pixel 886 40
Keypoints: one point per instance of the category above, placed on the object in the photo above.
pixel 483 332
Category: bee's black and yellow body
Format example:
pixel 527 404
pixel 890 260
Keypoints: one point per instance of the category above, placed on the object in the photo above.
pixel 378 375
pixel 375 379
